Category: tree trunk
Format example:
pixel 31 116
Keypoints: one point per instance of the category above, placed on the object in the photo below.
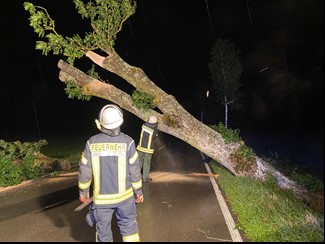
pixel 173 119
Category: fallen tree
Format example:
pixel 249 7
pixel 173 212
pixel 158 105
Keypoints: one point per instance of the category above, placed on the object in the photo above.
pixel 107 18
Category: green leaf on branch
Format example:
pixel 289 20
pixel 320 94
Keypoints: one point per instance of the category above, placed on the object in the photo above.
pixel 74 91
pixel 143 100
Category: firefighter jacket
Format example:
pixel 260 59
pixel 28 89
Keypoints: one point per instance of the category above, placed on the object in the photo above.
pixel 112 163
pixel 147 137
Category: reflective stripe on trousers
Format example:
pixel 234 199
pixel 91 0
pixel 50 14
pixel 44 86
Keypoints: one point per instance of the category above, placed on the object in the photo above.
pixel 126 220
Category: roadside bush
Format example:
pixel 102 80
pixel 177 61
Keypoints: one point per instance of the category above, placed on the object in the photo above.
pixel 17 161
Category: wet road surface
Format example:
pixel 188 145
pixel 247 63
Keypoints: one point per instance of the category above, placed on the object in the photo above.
pixel 188 210
pixel 177 207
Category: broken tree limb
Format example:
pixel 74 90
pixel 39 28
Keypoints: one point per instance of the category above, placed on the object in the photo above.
pixel 204 174
pixel 96 58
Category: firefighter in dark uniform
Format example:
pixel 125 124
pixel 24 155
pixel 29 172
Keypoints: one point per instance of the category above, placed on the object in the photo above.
pixel 146 146
pixel 110 161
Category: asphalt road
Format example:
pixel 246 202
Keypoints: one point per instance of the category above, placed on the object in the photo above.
pixel 178 206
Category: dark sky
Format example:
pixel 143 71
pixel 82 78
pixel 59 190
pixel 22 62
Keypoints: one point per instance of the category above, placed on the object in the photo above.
pixel 171 41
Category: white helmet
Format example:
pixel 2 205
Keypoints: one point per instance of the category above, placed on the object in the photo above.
pixel 152 119
pixel 110 117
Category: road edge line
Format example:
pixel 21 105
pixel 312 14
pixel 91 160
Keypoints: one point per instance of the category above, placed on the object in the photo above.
pixel 235 235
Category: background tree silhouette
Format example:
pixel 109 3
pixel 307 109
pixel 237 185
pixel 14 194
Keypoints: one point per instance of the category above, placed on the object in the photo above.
pixel 225 71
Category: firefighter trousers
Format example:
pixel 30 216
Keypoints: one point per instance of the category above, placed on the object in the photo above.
pixel 126 219
pixel 145 162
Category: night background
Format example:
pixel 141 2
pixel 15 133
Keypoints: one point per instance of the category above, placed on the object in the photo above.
pixel 282 53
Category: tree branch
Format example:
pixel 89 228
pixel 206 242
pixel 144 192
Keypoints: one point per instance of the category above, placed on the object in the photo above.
pixel 96 58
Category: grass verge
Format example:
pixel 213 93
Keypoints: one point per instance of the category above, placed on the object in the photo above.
pixel 268 214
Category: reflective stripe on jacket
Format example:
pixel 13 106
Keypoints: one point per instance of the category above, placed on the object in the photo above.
pixel 112 164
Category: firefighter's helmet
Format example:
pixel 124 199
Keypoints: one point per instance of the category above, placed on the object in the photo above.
pixel 110 117
pixel 152 119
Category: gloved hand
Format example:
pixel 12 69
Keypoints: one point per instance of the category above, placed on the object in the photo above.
pixel 139 198
pixel 84 198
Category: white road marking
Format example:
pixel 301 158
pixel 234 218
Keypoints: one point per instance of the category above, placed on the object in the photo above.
pixel 235 236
